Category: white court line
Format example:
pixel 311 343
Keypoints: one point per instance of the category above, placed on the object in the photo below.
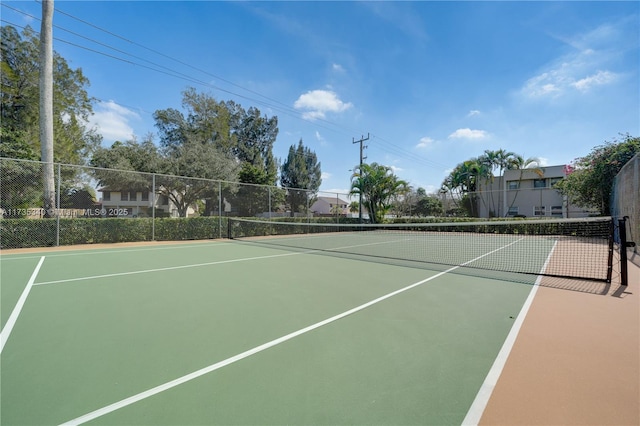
pixel 6 331
pixel 194 375
pixel 482 397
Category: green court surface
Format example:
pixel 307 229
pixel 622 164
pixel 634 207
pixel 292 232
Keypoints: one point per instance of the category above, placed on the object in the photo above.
pixel 191 334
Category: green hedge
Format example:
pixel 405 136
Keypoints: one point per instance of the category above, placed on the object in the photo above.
pixel 24 233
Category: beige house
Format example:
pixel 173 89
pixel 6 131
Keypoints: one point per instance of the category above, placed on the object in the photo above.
pixel 135 204
pixel 527 192
pixel 330 206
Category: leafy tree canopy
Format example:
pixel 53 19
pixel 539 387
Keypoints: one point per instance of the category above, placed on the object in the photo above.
pixel 19 106
pixel 589 182
pixel 378 187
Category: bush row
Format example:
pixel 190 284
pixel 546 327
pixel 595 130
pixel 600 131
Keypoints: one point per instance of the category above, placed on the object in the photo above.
pixel 24 233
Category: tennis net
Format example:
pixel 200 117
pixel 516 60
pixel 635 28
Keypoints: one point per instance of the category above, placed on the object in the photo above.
pixel 572 248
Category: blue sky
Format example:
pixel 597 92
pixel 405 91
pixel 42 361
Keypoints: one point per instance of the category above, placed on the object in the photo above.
pixel 432 83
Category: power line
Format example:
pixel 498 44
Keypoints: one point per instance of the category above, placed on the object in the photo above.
pixel 273 103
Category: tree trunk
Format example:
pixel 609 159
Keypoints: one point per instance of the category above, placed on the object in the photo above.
pixel 46 107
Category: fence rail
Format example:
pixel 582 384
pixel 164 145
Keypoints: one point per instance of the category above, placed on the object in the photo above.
pixel 95 205
pixel 106 205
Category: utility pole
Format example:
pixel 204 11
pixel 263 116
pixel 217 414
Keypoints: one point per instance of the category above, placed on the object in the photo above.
pixel 46 107
pixel 362 158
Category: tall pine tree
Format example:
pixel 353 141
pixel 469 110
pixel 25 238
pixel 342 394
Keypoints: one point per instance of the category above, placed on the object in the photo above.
pixel 301 175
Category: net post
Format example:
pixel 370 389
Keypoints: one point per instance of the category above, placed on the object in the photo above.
pixel 622 229
pixel 612 230
pixel 229 235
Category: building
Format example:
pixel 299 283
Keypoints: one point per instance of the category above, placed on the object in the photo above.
pixel 119 203
pixel 329 206
pixel 527 193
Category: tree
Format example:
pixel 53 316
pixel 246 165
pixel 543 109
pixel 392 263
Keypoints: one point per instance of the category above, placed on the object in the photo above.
pixel 354 207
pixel 589 182
pixel 254 139
pixel 118 166
pixel 378 186
pixel 21 186
pixel 301 175
pixel 19 103
pixel 518 162
pixel 463 184
pixel 199 144
pixel 499 160
pixel 427 205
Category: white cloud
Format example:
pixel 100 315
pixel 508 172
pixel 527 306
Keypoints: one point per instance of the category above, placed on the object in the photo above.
pixel 395 169
pixel 317 103
pixel 598 79
pixel 543 162
pixel 320 139
pixel 112 121
pixel 425 142
pixel 580 70
pixel 473 113
pixel 325 175
pixel 469 134
pixel 337 68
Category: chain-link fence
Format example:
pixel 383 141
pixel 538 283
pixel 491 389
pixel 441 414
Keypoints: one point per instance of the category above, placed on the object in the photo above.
pixel 626 200
pixel 93 205
pixel 154 207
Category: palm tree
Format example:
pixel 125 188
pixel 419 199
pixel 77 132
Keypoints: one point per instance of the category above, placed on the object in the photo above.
pixel 354 207
pixel 467 176
pixel 518 162
pixel 499 160
pixel 378 187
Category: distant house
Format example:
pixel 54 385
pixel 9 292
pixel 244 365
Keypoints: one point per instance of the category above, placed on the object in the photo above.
pixel 330 206
pixel 527 192
pixel 123 203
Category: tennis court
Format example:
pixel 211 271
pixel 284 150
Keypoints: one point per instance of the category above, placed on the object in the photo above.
pixel 247 332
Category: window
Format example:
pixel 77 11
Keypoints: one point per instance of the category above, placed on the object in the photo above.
pixel 553 181
pixel 539 183
pixel 513 184
pixel 124 196
pixel 556 211
pixel 144 196
pixel 164 200
pixel 106 195
pixel 133 196
pixel 513 211
pixel 539 211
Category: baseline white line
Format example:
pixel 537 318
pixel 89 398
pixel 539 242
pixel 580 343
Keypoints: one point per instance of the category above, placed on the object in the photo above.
pixel 191 376
pixel 6 331
pixel 484 394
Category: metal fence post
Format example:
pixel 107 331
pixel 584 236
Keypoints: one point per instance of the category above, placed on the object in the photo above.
pixel 58 211
pixel 153 207
pixel 220 209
